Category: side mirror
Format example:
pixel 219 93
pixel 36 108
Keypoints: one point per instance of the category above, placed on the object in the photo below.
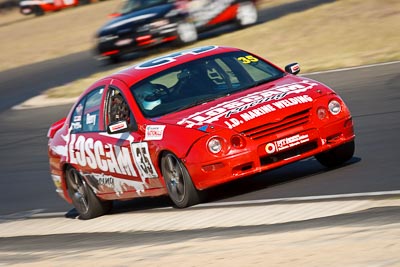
pixel 118 127
pixel 293 68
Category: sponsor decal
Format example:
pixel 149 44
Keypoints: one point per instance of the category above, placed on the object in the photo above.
pixel 56 180
pixel 286 143
pixel 76 125
pixel 154 132
pixel 142 159
pixel 118 126
pixel 268 100
pixel 77 118
pixel 90 119
pixel 98 156
pixel 112 158
pixel 117 184
pixel 173 57
pixel 295 68
pixel 79 108
pixel 106 180
pixel 293 101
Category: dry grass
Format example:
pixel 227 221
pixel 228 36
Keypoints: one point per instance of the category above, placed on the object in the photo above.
pixel 33 39
pixel 339 34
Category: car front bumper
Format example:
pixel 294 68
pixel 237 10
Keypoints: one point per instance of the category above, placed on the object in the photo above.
pixel 269 154
pixel 116 45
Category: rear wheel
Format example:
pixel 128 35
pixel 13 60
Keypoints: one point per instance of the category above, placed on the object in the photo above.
pixel 178 181
pixel 83 2
pixel 83 198
pixel 337 155
pixel 38 11
pixel 247 14
pixel 115 59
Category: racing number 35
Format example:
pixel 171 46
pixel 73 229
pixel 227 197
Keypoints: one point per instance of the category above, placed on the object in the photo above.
pixel 247 59
pixel 143 162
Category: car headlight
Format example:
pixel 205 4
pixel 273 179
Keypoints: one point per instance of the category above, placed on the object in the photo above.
pixel 214 145
pixel 334 107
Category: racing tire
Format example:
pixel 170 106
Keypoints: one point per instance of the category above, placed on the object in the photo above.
pixel 336 156
pixel 38 11
pixel 83 198
pixel 114 59
pixel 247 14
pixel 186 33
pixel 179 184
pixel 83 2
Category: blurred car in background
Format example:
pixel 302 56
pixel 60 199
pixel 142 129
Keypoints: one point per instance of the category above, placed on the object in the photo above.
pixel 140 24
pixel 39 7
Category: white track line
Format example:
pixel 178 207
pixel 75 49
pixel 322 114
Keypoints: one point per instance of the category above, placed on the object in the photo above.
pixel 260 201
pixel 354 68
pixel 308 198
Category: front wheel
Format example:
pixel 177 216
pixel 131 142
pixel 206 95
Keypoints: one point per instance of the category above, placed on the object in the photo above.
pixel 83 198
pixel 337 155
pixel 114 59
pixel 83 2
pixel 38 11
pixel 178 181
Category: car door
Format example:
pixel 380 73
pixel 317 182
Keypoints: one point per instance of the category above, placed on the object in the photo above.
pixel 134 170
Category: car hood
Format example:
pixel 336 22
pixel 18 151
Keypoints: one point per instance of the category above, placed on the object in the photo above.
pixel 134 19
pixel 263 104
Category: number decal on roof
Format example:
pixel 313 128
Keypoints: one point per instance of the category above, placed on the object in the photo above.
pixel 156 62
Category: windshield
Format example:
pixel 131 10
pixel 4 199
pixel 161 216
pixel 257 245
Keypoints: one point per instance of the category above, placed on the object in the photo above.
pixel 134 5
pixel 201 81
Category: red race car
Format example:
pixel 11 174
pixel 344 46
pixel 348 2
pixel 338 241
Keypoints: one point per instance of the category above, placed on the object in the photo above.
pixel 190 120
pixel 39 7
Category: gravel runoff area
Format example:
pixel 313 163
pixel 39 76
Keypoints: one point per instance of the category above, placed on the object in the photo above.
pixel 344 232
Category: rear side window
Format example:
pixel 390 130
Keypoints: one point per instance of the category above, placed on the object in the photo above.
pixel 85 117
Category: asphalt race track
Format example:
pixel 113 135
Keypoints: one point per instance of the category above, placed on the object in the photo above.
pixel 372 93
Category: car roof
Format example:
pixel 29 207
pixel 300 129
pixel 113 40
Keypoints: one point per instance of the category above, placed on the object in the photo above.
pixel 147 68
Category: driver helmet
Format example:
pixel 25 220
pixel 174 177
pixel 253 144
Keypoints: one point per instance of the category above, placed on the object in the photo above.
pixel 147 96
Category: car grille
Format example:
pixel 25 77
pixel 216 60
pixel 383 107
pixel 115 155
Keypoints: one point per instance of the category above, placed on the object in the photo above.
pixel 286 123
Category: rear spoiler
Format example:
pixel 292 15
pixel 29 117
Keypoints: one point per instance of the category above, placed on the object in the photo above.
pixel 55 127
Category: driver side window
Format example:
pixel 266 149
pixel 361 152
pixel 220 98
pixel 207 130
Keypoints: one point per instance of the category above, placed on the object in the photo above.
pixel 117 108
